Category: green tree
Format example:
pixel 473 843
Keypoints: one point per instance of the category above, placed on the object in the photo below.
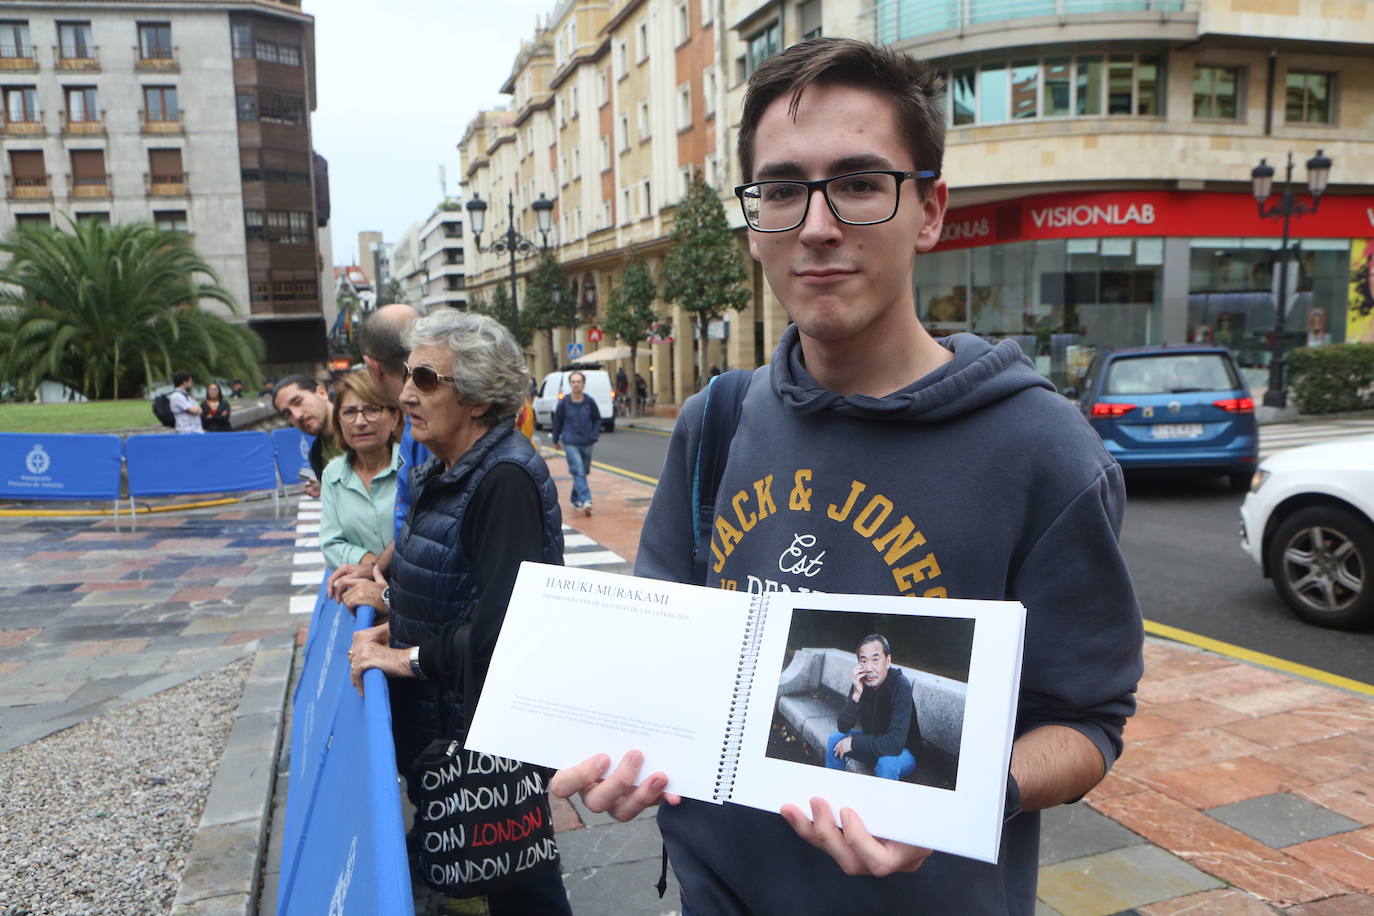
pixel 703 271
pixel 498 307
pixel 111 310
pixel 630 308
pixel 549 301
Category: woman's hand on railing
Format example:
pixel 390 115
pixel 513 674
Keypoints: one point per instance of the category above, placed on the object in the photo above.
pixel 372 649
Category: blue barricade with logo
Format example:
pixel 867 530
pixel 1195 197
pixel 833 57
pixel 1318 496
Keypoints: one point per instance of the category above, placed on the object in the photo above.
pixel 168 464
pixel 59 466
pixel 343 849
pixel 293 452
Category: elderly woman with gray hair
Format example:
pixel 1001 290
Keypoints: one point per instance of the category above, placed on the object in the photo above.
pixel 483 504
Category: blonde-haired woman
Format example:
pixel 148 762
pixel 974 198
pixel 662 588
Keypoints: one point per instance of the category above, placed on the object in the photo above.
pixel 358 488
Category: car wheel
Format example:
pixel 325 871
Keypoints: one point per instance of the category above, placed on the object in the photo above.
pixel 608 425
pixel 1322 562
pixel 1240 481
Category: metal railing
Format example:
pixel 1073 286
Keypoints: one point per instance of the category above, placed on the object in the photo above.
pixel 30 124
pixel 18 57
pixel 28 188
pixel 88 186
pixel 88 123
pixel 76 57
pixel 161 60
pixel 901 20
pixel 162 122
pixel 171 185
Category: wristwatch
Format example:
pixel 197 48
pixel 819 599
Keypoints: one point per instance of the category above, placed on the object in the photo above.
pixel 386 597
pixel 415 663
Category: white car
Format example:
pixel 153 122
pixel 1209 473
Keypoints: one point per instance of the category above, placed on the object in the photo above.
pixel 556 386
pixel 1308 521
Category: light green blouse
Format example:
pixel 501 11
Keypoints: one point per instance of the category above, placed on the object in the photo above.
pixel 353 521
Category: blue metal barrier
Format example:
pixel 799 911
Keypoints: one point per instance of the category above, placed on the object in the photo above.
pixel 59 466
pixel 343 850
pixel 293 452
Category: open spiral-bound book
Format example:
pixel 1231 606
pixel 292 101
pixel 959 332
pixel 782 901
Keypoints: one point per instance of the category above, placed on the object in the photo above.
pixel 743 698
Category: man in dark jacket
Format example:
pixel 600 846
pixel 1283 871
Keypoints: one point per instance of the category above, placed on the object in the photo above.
pixel 577 422
pixel 877 724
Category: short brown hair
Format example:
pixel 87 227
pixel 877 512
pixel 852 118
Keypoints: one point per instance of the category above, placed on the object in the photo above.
pixel 370 391
pixel 913 86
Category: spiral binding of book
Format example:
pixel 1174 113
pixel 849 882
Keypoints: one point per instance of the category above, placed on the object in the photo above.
pixel 739 698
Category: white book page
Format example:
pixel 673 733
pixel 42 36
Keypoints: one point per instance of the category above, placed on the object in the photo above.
pixel 591 662
pixel 965 819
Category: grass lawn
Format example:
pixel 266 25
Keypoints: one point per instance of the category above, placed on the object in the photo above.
pixel 77 418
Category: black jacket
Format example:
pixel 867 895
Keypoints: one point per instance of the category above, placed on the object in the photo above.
pixel 887 716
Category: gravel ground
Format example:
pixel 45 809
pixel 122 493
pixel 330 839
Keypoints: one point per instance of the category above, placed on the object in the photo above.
pixel 98 819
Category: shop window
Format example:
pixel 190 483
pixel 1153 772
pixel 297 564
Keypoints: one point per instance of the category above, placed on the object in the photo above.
pixel 1216 93
pixel 1307 98
pixel 1089 86
pixel 962 97
pixel 1058 87
pixel 992 95
pixel 1025 88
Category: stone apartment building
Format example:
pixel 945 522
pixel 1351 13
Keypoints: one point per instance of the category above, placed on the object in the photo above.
pixel 1099 155
pixel 194 115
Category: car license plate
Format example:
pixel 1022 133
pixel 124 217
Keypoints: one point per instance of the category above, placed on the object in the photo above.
pixel 1176 430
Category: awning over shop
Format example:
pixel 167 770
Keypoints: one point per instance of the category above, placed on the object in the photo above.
pixel 605 354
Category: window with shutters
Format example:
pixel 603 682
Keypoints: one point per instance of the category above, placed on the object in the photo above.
pixel 165 168
pixel 27 169
pixel 88 173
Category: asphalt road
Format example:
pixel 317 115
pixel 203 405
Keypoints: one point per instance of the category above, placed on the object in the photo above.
pixel 1183 550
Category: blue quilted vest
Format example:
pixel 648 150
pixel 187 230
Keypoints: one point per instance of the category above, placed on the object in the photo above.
pixel 430 577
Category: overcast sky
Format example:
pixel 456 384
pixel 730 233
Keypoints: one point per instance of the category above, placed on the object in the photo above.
pixel 397 83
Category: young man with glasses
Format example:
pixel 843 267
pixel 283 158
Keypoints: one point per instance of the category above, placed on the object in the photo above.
pixel 897 464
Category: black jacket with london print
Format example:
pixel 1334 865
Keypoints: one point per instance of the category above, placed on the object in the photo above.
pixel 976 481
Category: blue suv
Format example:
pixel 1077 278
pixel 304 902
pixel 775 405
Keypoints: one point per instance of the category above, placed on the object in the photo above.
pixel 1173 406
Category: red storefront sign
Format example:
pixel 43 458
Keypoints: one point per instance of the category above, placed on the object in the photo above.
pixel 1190 214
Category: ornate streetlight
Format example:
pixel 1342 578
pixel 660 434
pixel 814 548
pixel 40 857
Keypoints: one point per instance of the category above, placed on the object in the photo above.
pixel 1287 206
pixel 511 241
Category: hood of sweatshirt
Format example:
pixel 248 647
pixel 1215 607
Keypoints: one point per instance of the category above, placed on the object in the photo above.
pixel 979 374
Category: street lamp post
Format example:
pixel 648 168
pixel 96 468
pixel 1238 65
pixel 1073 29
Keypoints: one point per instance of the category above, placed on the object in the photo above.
pixel 511 241
pixel 1287 206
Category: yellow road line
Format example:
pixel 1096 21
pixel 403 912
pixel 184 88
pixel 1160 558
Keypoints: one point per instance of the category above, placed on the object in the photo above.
pixel 626 472
pixel 141 510
pixel 1258 658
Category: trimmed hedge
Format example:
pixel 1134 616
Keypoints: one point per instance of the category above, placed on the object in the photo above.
pixel 1332 378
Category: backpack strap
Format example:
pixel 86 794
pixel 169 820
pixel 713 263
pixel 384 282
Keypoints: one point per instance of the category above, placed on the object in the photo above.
pixel 719 420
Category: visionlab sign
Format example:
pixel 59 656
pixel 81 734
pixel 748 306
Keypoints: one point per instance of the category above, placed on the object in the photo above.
pixel 1144 213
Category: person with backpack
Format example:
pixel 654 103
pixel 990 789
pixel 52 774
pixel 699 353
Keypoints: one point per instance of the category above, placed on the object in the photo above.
pixel 906 465
pixel 185 411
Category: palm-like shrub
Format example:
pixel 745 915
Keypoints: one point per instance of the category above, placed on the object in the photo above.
pixel 110 310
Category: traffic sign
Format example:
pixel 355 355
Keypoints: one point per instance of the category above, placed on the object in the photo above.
pixel 574 350
pixel 594 335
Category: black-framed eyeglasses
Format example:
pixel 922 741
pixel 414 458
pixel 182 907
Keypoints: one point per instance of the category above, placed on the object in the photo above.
pixel 856 198
pixel 370 412
pixel 426 378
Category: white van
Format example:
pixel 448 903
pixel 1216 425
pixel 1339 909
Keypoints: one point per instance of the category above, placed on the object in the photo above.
pixel 555 386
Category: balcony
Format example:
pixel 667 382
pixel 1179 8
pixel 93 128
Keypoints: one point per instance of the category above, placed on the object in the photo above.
pixel 926 22
pixel 35 187
pixel 162 122
pixel 18 59
pixel 85 124
pixel 31 126
pixel 157 60
pixel 85 59
pixel 88 187
pixel 165 185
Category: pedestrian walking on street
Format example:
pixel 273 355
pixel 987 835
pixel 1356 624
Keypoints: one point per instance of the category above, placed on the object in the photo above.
pixel 577 423
pixel 862 428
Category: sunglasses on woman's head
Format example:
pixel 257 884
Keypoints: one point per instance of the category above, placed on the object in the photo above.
pixel 426 379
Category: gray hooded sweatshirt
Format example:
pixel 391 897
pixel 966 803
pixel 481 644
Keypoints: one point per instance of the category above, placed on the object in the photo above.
pixel 975 481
